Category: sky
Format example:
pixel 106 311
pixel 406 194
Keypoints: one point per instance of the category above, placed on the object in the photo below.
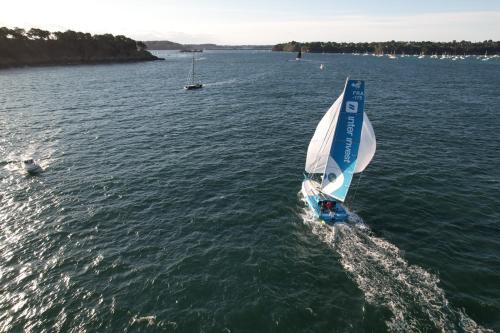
pixel 233 22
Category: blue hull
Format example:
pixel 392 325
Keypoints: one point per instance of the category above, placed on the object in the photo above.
pixel 315 198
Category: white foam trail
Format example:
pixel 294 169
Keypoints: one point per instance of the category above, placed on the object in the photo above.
pixel 412 295
pixel 41 152
pixel 220 83
pixel 250 78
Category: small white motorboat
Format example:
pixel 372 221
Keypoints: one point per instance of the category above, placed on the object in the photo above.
pixel 31 166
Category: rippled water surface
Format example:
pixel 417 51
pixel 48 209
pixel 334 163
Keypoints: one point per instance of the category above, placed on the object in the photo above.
pixel 161 209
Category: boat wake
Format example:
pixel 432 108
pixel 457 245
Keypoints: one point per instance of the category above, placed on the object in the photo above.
pixel 411 294
pixel 41 153
pixel 302 60
pixel 250 78
pixel 220 83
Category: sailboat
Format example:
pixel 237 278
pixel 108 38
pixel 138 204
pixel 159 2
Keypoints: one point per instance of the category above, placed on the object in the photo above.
pixel 192 84
pixel 485 57
pixel 299 55
pixel 342 145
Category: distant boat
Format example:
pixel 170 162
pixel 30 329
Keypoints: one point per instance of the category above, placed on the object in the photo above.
pixel 192 84
pixel 392 56
pixel 485 57
pixel 191 50
pixel 421 56
pixel 31 167
pixel 342 145
pixel 299 55
pixel 321 66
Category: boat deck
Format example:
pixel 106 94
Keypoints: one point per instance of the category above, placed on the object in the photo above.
pixel 312 193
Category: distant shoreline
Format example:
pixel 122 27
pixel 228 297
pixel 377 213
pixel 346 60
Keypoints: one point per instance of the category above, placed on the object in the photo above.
pixel 36 47
pixel 162 45
pixel 399 47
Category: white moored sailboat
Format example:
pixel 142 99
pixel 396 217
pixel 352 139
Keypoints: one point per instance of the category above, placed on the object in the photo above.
pixel 343 144
pixel 192 83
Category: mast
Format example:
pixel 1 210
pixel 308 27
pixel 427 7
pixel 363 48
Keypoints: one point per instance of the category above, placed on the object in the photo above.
pixel 343 155
pixel 192 72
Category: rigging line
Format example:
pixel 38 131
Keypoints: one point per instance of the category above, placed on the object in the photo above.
pixel 356 189
pixel 323 143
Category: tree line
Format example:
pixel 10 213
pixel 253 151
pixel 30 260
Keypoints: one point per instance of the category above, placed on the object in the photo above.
pixel 36 46
pixel 398 47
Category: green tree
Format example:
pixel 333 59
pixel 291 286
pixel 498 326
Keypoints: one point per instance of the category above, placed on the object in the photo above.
pixel 141 46
pixel 18 33
pixel 35 33
pixel 4 33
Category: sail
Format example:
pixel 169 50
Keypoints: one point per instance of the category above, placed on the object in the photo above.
pixel 192 73
pixel 319 147
pixel 342 159
pixel 367 146
pixel 299 55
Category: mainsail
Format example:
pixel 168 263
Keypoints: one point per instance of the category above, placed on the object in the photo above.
pixel 193 75
pixel 319 147
pixel 344 142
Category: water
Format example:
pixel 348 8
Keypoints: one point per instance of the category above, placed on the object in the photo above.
pixel 166 210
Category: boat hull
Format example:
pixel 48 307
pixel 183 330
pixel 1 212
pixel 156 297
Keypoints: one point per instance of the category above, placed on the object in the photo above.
pixel 193 86
pixel 314 198
pixel 32 168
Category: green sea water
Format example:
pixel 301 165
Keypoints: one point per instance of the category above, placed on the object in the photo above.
pixel 161 209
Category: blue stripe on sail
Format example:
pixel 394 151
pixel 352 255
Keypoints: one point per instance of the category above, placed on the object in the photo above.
pixel 344 150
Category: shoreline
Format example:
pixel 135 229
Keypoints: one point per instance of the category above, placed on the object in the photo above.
pixel 487 47
pixel 76 62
